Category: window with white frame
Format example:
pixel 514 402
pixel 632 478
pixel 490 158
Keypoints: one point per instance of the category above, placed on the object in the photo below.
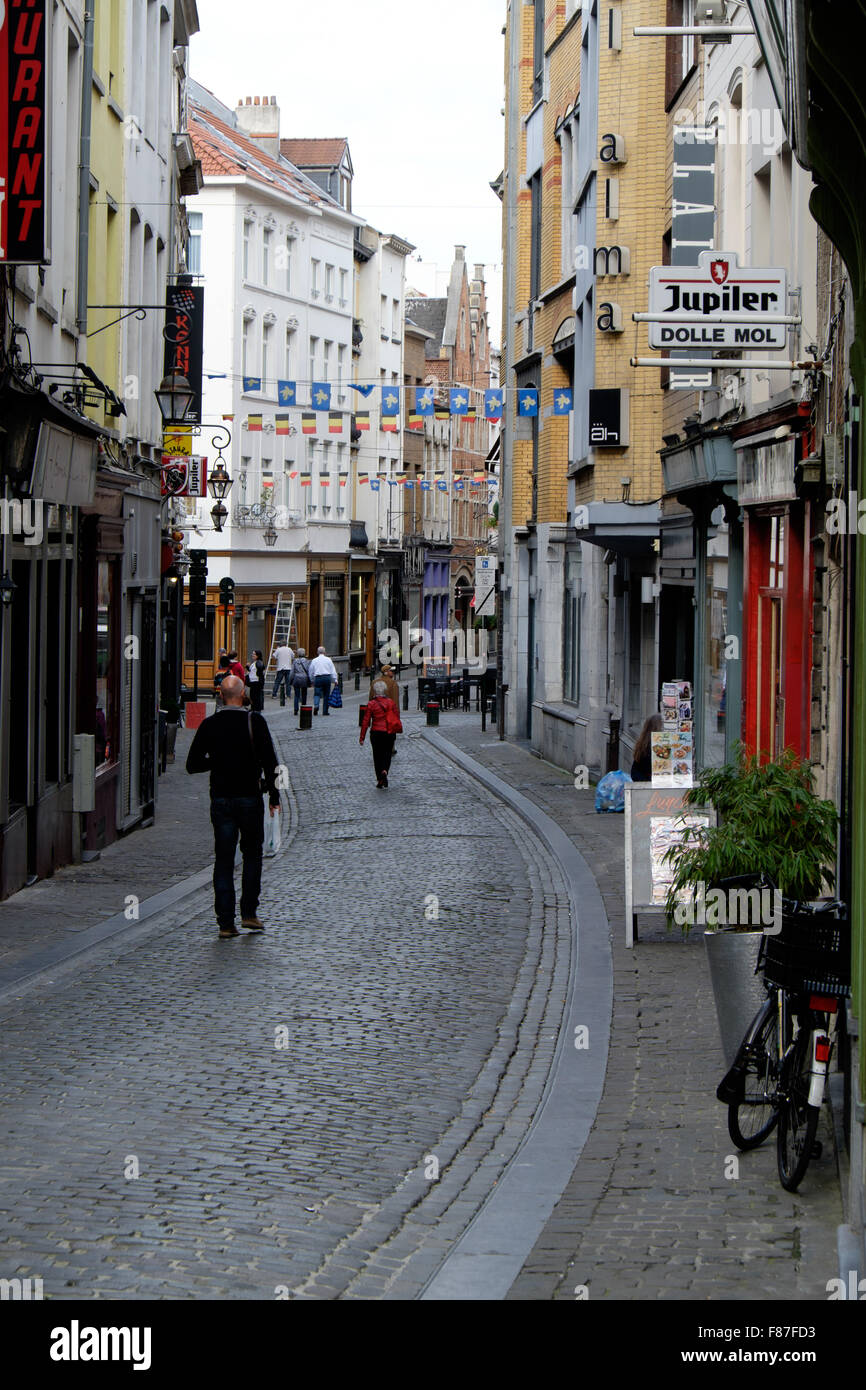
pixel 314 351
pixel 287 255
pixel 395 318
pixel 326 359
pixel 266 354
pixel 290 353
pixel 341 367
pixel 315 273
pixel 266 255
pixel 245 348
pixel 193 247
pixel 248 238
pixel 329 282
pixel 344 279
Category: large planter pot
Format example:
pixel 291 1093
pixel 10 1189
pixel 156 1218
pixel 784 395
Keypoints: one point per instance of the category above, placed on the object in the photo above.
pixel 737 990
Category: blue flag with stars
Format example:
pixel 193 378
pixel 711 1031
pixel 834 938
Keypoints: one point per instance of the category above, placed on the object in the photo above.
pixel 424 400
pixel 563 402
pixel 459 401
pixel 493 405
pixel 252 383
pixel 527 401
pixel 287 392
pixel 320 395
pixel 390 400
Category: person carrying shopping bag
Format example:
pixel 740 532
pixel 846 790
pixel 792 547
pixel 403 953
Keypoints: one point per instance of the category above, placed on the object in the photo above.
pixel 299 678
pixel 382 717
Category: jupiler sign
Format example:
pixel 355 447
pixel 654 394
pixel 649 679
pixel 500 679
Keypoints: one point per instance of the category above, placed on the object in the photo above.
pixel 717 304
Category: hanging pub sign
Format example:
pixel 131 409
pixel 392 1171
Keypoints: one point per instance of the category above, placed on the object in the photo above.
pixel 608 419
pixel 184 477
pixel 23 133
pixel 184 339
pixel 717 304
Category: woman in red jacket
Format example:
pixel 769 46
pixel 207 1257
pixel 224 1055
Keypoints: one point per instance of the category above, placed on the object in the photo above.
pixel 384 717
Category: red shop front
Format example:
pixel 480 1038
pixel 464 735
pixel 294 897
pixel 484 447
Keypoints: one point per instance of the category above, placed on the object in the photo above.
pixel 777 588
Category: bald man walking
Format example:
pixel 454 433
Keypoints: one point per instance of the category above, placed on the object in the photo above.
pixel 235 747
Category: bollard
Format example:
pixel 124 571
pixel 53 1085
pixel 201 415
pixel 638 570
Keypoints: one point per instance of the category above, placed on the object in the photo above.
pixel 362 710
pixel 405 697
pixel 432 713
pixel 282 694
pixel 306 717
pixel 357 680
pixel 340 682
pixel 484 716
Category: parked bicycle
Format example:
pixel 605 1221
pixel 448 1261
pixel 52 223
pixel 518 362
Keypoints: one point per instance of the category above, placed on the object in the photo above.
pixel 779 1075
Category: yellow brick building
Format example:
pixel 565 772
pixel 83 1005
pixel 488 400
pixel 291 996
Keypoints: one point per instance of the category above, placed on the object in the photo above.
pixel 584 216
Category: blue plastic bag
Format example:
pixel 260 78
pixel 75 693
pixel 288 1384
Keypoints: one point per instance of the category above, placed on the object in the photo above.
pixel 610 792
pixel 336 700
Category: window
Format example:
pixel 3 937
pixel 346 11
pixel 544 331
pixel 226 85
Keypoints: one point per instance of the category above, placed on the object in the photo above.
pixel 248 236
pixel 193 249
pixel 341 366
pixel 571 626
pixel 383 316
pixel 329 282
pixel 326 360
pixel 332 613
pixel 290 354
pixel 314 348
pixel 535 238
pixel 356 612
pixel 315 269
pixel 288 258
pixel 395 318
pixel 245 348
pixel 538 52
pixel 266 256
pixel 266 346
pixel 344 277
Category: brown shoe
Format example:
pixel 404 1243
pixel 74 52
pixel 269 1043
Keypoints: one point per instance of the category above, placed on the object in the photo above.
pixel 226 932
pixel 252 924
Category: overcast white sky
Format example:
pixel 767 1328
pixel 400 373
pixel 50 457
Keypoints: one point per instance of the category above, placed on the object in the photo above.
pixel 417 89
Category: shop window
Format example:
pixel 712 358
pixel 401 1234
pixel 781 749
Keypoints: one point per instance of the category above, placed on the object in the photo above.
pixel 357 613
pixel 106 693
pixel 571 627
pixel 332 614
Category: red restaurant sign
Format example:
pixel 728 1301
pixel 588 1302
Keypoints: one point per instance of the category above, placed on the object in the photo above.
pixel 23 142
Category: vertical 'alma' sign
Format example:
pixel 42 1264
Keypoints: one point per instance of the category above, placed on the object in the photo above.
pixel 23 132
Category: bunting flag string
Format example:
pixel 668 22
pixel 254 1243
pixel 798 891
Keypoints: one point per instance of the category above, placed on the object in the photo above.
pixel 335 422
pixel 321 395
pixel 287 392
pixel 362 420
pixel 281 423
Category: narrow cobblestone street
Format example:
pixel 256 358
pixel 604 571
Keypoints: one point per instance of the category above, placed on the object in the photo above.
pixel 279 1096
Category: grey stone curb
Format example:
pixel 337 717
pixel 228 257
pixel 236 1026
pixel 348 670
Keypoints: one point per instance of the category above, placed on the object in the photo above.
pixel 27 971
pixel 491 1252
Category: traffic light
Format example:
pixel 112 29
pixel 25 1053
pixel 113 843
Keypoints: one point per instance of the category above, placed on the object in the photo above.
pixel 197 587
pixel 227 591
pixel 197 615
pixel 197 561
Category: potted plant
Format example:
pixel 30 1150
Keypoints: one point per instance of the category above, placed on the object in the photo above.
pixel 771 825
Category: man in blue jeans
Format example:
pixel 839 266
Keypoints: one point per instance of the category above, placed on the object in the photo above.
pixel 323 674
pixel 235 747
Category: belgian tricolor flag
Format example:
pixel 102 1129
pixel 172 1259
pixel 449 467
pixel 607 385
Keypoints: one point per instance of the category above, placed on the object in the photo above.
pixel 362 420
pixel 335 422
pixel 308 422
pixel 254 424
pixel 282 424
pixel 416 421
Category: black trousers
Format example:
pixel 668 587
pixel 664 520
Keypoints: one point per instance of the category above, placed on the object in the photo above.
pixel 382 745
pixel 257 695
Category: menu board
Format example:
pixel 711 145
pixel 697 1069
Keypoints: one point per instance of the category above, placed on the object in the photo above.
pixel 672 751
pixel 655 819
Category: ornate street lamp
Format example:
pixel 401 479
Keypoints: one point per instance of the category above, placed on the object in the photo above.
pixel 269 535
pixel 7 589
pixel 219 483
pixel 219 512
pixel 174 398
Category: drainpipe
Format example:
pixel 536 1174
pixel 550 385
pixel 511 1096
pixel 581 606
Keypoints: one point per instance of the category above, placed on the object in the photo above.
pixel 507 546
pixel 84 168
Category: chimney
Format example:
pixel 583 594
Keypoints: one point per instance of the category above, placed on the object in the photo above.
pixel 259 118
pixel 460 253
pixel 479 273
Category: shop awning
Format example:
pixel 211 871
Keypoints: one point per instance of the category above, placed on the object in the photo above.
pixel 625 527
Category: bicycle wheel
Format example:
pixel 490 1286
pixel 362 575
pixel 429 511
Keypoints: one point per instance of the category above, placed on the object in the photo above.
pixel 798 1120
pixel 753 1115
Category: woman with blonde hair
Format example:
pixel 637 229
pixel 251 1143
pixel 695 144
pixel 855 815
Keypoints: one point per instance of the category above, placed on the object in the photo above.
pixel 384 717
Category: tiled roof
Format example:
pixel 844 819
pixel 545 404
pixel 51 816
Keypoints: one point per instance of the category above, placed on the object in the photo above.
pixel 223 150
pixel 314 154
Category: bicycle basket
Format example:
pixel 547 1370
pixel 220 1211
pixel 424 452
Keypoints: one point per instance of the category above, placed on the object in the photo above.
pixel 811 954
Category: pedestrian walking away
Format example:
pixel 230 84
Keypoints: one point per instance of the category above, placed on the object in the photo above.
pixel 384 717
pixel 235 747
pixel 223 670
pixel 299 678
pixel 392 688
pixel 323 673
pixel 284 657
pixel 256 680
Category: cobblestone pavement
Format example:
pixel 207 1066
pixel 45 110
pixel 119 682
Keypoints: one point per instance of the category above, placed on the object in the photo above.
pixel 189 1117
pixel 649 1212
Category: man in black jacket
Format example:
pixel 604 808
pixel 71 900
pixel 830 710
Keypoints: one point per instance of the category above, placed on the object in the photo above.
pixel 235 747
